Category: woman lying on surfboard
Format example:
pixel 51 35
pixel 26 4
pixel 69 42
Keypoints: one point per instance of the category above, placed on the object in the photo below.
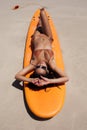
pixel 42 61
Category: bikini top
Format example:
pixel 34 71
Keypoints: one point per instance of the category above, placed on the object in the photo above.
pixel 42 55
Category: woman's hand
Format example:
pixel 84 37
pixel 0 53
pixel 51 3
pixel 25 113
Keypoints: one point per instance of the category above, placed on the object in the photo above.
pixel 34 80
pixel 43 81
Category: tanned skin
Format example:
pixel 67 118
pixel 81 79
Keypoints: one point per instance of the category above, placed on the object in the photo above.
pixel 42 41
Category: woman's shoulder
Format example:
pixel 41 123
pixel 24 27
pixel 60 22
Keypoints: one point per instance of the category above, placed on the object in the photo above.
pixel 33 61
pixel 52 63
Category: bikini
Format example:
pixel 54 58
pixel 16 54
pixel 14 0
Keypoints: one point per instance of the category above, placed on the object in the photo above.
pixel 42 55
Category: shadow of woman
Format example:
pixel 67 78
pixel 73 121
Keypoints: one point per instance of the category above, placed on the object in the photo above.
pixel 17 84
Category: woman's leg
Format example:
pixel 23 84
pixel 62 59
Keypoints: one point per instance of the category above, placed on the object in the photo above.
pixel 45 24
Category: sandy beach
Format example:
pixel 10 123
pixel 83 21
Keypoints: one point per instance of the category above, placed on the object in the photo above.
pixel 70 20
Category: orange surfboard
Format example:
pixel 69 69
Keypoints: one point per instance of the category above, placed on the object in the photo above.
pixel 46 102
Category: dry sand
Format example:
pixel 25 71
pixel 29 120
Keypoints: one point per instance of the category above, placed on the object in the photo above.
pixel 70 19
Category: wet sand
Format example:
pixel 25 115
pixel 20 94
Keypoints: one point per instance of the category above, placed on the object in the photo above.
pixel 70 19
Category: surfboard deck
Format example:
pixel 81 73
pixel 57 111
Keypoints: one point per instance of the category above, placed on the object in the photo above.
pixel 46 102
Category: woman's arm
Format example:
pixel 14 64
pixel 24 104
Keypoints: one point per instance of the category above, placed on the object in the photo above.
pixel 46 81
pixel 21 74
pixel 63 76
